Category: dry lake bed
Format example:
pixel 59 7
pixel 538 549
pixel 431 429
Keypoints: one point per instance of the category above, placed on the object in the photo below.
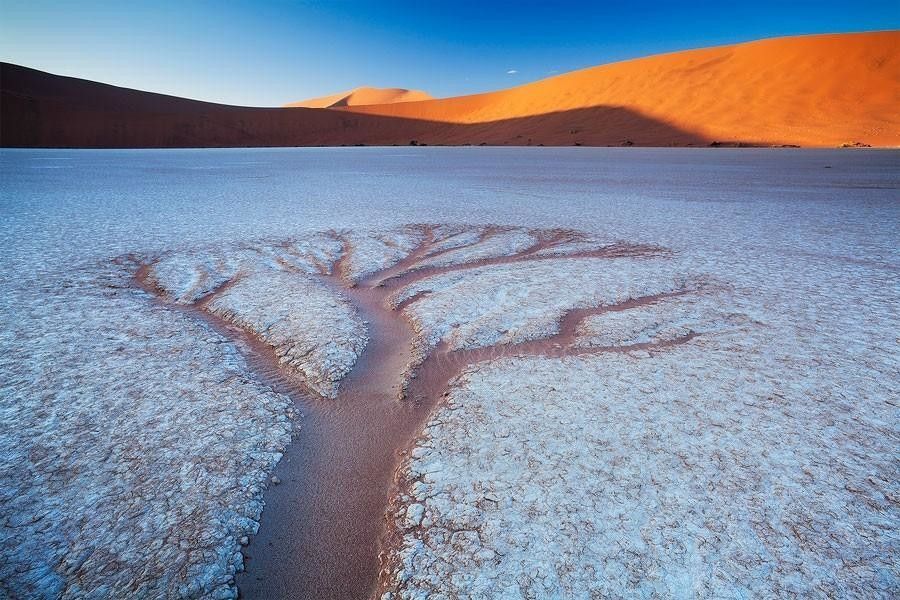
pixel 450 372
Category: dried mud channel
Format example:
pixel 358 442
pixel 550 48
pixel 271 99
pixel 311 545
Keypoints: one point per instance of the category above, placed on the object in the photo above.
pixel 326 523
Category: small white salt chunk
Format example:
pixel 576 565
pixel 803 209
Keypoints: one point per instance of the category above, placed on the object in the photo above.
pixel 414 515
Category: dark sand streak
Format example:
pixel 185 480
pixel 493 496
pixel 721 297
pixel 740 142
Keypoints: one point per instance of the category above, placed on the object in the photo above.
pixel 323 528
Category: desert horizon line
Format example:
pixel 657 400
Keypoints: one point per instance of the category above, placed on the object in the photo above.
pixel 413 88
pixel 823 90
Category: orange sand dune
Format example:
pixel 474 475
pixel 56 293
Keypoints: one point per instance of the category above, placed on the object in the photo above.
pixel 819 90
pixel 362 96
pixel 824 90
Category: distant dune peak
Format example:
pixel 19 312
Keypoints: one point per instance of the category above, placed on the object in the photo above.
pixel 812 90
pixel 363 96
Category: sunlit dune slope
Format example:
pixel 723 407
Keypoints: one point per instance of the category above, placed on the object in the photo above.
pixel 821 90
pixel 824 90
pixel 363 96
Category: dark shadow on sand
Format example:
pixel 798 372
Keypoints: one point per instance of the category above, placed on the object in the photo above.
pixel 42 110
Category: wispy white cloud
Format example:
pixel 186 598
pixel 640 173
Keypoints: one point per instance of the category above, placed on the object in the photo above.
pixel 511 72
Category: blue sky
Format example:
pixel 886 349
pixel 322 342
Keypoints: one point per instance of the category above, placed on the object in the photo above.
pixel 268 53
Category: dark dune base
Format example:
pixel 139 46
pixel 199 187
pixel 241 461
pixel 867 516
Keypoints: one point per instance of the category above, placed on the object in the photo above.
pixel 41 110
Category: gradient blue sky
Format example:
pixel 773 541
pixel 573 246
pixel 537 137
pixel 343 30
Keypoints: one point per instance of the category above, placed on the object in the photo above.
pixel 268 53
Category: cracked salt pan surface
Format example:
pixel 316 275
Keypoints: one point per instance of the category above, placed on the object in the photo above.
pixel 187 277
pixel 270 291
pixel 500 243
pixel 373 251
pixel 311 327
pixel 449 237
pixel 490 305
pixel 134 445
pixel 317 252
pixel 575 246
pixel 707 310
pixel 812 256
pixel 759 459
pixel 700 472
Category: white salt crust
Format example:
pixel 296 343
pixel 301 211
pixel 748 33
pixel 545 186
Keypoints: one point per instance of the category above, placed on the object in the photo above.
pixel 135 442
pixel 135 446
pixel 701 471
pixel 312 328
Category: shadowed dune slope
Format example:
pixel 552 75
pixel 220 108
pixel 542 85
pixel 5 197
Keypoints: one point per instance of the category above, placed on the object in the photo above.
pixel 43 110
pixel 363 96
pixel 810 91
pixel 821 90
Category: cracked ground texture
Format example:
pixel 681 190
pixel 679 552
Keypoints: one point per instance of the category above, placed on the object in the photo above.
pixel 287 296
pixel 701 471
pixel 140 447
pixel 724 425
pixel 669 470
